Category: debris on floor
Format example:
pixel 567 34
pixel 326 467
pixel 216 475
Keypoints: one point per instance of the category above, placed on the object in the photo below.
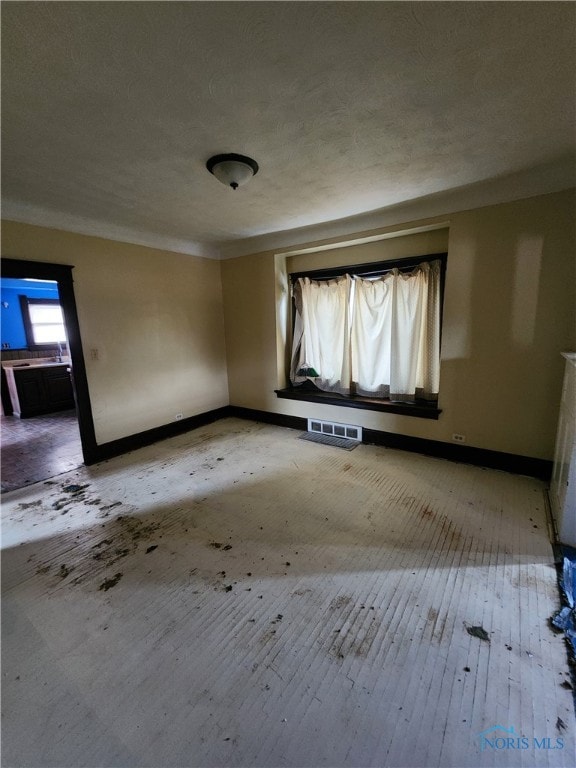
pixel 565 619
pixel 357 643
pixel 478 632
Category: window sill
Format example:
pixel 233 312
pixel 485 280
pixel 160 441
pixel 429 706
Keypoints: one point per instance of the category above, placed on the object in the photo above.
pixel 420 410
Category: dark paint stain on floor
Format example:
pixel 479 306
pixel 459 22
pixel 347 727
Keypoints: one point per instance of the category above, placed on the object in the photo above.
pixel 109 583
pixel 74 489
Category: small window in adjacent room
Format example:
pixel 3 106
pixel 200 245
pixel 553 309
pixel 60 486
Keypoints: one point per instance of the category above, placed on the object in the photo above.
pixel 43 322
pixel 369 334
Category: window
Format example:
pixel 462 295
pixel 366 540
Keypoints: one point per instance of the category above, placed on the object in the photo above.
pixel 43 322
pixel 370 331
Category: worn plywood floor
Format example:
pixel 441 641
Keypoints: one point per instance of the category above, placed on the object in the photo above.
pixel 238 597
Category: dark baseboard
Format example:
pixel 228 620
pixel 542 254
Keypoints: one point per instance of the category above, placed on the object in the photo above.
pixel 466 454
pixel 481 457
pixel 267 417
pixel 141 439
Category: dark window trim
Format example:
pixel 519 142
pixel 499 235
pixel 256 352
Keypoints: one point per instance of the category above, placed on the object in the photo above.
pixel 62 274
pixel 25 302
pixel 420 409
pixel 374 268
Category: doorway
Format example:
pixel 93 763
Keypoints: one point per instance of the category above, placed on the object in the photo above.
pixel 53 431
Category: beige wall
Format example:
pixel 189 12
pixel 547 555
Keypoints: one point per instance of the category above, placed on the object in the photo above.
pixel 509 311
pixel 155 318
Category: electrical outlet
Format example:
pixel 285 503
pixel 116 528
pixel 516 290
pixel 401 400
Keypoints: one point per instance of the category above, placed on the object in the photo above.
pixel 459 438
pixel 179 416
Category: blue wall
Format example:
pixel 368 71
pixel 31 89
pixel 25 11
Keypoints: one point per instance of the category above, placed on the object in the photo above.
pixel 12 324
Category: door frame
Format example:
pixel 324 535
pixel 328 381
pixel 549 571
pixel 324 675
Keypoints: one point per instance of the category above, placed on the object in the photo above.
pixel 62 274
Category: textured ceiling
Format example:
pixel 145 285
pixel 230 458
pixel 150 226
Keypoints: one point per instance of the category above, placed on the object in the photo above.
pixel 110 110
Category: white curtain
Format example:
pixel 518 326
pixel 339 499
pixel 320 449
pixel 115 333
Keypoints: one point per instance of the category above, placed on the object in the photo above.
pixel 322 333
pixel 395 342
pixel 373 337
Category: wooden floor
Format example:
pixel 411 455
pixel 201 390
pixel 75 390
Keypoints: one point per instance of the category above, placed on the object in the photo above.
pixel 239 597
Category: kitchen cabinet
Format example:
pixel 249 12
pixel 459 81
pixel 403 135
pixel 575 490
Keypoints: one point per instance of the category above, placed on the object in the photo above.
pixel 37 389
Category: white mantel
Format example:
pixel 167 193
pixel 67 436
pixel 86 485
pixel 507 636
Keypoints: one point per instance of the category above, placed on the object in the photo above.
pixel 563 484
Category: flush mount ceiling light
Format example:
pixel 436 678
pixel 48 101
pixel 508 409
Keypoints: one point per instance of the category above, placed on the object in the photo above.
pixel 232 170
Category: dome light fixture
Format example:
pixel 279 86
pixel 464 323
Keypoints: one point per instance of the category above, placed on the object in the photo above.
pixel 232 170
